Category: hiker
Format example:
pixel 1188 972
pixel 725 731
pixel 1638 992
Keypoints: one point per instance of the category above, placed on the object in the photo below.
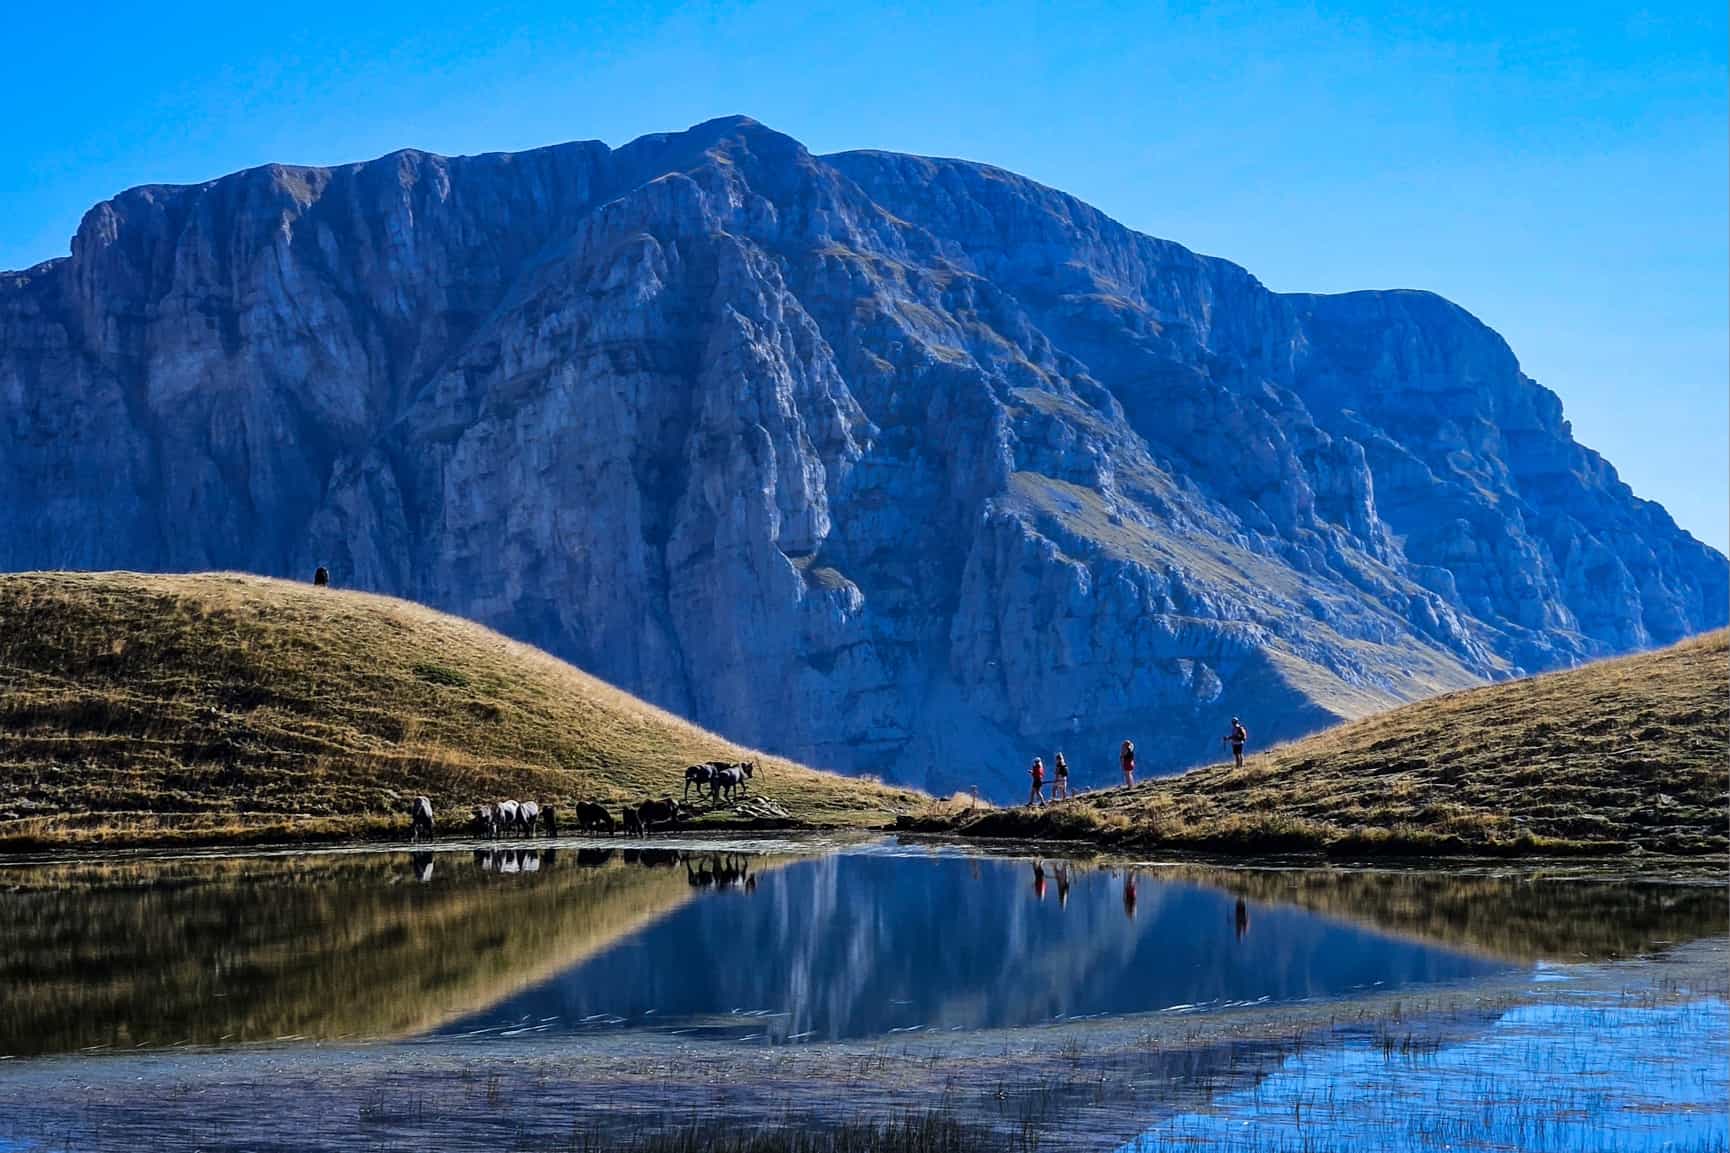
pixel 1236 738
pixel 321 576
pixel 1060 778
pixel 1037 772
pixel 1128 759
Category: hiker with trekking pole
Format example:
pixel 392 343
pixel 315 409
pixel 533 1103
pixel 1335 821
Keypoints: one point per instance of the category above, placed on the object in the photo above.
pixel 1236 739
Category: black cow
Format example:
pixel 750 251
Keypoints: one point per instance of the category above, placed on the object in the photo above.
pixel 732 777
pixel 633 823
pixel 591 816
pixel 698 775
pixel 662 812
pixel 550 819
pixel 485 821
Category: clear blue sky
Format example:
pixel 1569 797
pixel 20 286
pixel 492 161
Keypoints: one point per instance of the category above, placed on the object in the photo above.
pixel 1562 170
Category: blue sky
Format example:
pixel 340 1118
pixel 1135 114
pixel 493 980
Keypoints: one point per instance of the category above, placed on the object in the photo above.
pixel 1562 170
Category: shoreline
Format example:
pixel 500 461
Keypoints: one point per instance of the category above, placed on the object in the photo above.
pixel 987 830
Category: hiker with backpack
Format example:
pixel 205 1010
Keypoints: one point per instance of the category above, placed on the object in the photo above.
pixel 1060 778
pixel 1236 739
pixel 1127 758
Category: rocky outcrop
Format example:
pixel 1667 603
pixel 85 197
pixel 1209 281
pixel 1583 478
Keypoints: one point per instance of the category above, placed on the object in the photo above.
pixel 894 465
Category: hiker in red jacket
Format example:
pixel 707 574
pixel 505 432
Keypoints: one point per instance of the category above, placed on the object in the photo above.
pixel 1037 772
pixel 1128 759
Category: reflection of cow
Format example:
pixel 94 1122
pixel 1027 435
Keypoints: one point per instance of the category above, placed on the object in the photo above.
pixel 592 858
pixel 422 864
pixel 513 860
pixel 724 871
pixel 420 819
pixel 591 816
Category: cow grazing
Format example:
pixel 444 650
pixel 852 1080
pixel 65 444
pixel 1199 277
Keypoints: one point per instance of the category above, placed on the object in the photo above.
pixel 662 812
pixel 591 816
pixel 510 816
pixel 550 819
pixel 529 813
pixel 633 823
pixel 485 821
pixel 420 819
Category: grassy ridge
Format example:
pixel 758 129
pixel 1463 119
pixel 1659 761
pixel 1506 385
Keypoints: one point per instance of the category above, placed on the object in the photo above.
pixel 204 707
pixel 1613 757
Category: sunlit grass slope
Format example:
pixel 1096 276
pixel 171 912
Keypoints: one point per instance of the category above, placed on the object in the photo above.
pixel 207 707
pixel 1615 756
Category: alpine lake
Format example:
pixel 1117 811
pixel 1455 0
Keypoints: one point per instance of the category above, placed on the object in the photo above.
pixel 599 993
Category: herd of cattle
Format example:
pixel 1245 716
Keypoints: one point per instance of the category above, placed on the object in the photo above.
pixel 722 779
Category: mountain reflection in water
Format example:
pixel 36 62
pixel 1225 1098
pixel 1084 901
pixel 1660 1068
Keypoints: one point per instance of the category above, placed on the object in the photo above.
pixel 852 946
pixel 134 951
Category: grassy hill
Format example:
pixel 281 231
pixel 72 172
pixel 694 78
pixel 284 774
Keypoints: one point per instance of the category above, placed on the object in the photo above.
pixel 218 707
pixel 1616 756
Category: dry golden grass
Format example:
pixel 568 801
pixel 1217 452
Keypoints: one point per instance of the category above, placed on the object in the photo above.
pixel 219 707
pixel 1615 756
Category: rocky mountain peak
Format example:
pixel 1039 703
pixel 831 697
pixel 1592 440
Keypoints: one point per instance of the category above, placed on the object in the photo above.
pixel 892 464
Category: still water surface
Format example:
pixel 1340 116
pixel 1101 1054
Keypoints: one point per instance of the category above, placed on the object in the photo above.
pixel 771 946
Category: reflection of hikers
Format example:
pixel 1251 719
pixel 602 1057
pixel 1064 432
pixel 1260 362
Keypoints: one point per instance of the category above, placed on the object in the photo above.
pixel 1039 880
pixel 1236 737
pixel 1128 759
pixel 1062 886
pixel 1037 772
pixel 1129 895
pixel 1060 778
pixel 1241 919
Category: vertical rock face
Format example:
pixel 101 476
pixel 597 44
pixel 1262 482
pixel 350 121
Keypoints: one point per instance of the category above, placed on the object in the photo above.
pixel 890 464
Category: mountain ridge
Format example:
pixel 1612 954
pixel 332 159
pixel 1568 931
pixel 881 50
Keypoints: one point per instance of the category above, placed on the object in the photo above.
pixel 891 464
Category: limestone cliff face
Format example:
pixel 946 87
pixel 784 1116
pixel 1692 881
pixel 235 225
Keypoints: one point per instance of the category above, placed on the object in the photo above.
pixel 894 465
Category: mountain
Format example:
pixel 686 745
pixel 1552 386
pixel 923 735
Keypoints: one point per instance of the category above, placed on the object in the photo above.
pixel 221 707
pixel 1616 756
pixel 889 464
